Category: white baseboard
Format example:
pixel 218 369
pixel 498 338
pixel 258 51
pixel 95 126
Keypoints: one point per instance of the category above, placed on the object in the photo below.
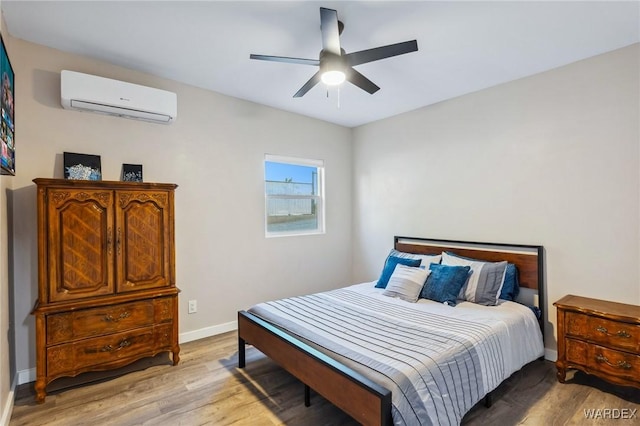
pixel 550 355
pixel 26 376
pixel 8 406
pixel 190 336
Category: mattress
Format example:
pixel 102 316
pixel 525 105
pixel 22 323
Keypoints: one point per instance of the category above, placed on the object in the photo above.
pixel 437 360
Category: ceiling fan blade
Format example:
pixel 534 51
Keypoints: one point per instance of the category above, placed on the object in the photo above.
pixel 330 31
pixel 302 61
pixel 370 55
pixel 361 81
pixel 308 85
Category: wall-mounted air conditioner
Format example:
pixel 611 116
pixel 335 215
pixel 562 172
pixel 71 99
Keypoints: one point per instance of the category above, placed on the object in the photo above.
pixel 103 95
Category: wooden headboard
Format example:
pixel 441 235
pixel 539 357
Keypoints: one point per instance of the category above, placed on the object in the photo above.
pixel 527 258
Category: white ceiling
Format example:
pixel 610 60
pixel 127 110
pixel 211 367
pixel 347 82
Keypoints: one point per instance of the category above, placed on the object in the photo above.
pixel 463 46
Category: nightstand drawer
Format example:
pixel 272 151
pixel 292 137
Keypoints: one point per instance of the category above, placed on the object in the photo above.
pixel 604 360
pixel 617 335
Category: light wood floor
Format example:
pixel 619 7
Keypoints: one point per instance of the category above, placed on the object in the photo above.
pixel 207 388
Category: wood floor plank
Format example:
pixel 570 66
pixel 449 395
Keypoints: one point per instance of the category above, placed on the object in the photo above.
pixel 207 388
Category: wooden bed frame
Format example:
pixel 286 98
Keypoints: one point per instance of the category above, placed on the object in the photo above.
pixel 364 400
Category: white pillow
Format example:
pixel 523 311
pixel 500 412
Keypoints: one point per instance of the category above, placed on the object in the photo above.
pixel 406 283
pixel 425 258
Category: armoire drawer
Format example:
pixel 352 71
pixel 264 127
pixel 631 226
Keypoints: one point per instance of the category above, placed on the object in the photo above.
pixel 77 356
pixel 74 325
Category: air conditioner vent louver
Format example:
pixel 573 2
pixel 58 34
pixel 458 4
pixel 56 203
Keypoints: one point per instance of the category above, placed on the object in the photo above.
pixel 106 96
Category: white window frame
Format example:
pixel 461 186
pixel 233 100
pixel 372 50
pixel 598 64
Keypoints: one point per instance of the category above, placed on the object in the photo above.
pixel 319 197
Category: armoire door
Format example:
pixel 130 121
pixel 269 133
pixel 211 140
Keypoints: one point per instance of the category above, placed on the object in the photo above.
pixel 81 243
pixel 143 240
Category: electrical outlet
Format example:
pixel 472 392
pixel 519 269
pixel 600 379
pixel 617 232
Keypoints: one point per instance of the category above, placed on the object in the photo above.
pixel 193 306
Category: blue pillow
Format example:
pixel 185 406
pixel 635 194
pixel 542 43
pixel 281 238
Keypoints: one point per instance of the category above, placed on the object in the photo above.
pixel 444 283
pixel 511 286
pixel 536 311
pixel 390 266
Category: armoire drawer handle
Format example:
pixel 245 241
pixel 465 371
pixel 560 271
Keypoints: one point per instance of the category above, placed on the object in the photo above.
pixel 123 344
pixel 620 364
pixel 109 239
pixel 118 240
pixel 110 318
pixel 620 333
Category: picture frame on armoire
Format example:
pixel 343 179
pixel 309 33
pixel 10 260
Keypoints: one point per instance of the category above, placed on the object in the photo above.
pixel 7 118
pixel 132 172
pixel 82 166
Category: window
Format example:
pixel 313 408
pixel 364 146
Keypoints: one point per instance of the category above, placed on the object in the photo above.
pixel 294 196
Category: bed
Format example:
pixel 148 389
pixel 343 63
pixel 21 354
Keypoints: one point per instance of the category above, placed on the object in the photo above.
pixel 386 361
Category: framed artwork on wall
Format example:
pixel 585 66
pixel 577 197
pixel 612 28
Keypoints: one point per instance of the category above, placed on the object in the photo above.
pixel 82 166
pixel 132 172
pixel 7 118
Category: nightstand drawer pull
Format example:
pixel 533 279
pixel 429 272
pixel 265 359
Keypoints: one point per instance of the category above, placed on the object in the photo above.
pixel 620 333
pixel 620 364
pixel 109 318
pixel 123 344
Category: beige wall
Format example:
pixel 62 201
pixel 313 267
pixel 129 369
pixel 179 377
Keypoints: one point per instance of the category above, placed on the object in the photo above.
pixel 6 349
pixel 214 152
pixel 7 361
pixel 551 159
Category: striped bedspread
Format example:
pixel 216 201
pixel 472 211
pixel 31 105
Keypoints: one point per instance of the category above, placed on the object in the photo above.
pixel 438 361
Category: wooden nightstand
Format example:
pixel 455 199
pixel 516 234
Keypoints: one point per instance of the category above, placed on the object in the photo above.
pixel 600 338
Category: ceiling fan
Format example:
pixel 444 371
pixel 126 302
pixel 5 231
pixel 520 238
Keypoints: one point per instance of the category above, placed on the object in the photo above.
pixel 336 66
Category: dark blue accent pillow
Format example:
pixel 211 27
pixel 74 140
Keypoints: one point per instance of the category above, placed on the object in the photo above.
pixel 444 283
pixel 511 286
pixel 390 266
pixel 536 311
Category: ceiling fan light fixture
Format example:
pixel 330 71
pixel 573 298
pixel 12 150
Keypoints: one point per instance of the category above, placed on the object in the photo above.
pixel 333 77
pixel 332 69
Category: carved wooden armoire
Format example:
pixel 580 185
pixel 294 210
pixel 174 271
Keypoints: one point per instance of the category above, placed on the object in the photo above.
pixel 106 276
